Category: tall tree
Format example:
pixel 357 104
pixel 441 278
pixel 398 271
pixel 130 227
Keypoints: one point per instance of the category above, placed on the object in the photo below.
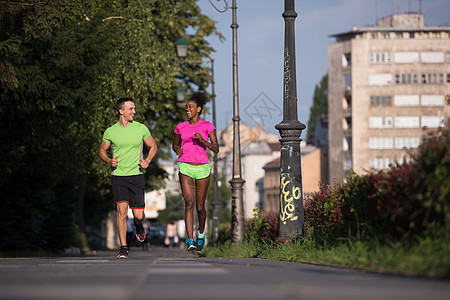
pixel 319 107
pixel 63 63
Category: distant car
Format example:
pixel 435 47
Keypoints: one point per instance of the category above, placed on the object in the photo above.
pixel 156 234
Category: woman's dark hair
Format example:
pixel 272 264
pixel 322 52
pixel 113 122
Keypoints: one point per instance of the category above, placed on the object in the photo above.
pixel 200 99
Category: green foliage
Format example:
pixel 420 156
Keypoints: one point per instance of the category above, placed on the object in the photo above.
pixel 224 197
pixel 402 202
pixel 428 256
pixel 63 64
pixel 320 105
pixel 393 220
pixel 263 227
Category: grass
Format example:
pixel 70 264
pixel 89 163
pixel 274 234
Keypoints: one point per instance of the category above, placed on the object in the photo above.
pixel 426 257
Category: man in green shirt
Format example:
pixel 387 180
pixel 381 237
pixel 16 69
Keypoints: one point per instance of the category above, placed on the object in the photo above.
pixel 127 163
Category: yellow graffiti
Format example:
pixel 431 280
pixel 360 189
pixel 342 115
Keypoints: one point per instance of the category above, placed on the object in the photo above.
pixel 287 206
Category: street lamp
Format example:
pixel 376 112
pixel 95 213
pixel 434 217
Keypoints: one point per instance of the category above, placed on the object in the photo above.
pixel 181 92
pixel 291 195
pixel 237 183
pixel 182 47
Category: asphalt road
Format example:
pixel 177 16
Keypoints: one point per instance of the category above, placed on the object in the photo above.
pixel 161 273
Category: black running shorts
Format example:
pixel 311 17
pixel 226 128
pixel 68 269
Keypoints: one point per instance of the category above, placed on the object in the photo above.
pixel 129 189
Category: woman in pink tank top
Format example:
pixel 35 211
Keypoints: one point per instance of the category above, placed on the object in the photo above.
pixel 191 139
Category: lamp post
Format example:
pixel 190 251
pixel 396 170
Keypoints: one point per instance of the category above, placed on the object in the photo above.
pixel 216 200
pixel 181 47
pixel 237 183
pixel 291 194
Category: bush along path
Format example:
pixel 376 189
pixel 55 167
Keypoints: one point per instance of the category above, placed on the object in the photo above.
pixel 395 220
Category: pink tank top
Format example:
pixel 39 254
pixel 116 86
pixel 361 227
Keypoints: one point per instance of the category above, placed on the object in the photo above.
pixel 193 150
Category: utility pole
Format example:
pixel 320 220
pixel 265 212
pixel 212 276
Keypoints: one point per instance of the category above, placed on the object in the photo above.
pixel 291 194
pixel 216 200
pixel 237 183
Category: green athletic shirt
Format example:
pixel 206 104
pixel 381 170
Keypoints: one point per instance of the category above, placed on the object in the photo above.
pixel 127 143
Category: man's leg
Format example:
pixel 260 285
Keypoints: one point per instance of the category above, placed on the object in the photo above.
pixel 121 221
pixel 140 230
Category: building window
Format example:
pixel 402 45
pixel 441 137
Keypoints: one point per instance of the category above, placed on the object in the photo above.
pixel 380 122
pixel 432 57
pixel 399 35
pixel 448 57
pixel 433 78
pixel 380 100
pixel 406 100
pixel 380 162
pixel 348 163
pixel 381 143
pixel 411 35
pixel 406 57
pixel 448 77
pixel 380 79
pixel 348 81
pixel 432 121
pixel 385 35
pixel 374 36
pixel 406 142
pixel 406 78
pixel 380 57
pixel 347 144
pixel 406 122
pixel 433 100
pixel 346 60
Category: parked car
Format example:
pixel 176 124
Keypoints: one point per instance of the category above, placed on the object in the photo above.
pixel 156 234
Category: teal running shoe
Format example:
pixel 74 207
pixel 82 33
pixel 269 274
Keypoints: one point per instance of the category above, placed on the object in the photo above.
pixel 190 245
pixel 200 241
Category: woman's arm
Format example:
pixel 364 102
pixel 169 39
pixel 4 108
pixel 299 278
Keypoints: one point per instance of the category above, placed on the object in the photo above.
pixel 176 145
pixel 213 145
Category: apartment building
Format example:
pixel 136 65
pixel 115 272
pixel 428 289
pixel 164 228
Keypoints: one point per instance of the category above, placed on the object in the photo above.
pixel 388 86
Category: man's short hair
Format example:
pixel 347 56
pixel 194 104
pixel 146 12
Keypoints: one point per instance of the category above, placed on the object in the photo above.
pixel 121 101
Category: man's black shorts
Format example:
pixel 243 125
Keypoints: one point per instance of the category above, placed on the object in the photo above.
pixel 129 189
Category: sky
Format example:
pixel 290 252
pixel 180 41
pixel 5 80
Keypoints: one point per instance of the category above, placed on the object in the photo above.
pixel 261 44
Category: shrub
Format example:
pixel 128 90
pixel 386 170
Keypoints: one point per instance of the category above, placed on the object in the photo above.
pixel 263 226
pixel 323 210
pixel 224 233
pixel 401 202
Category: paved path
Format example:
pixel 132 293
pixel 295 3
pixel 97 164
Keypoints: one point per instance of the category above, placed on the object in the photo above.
pixel 174 274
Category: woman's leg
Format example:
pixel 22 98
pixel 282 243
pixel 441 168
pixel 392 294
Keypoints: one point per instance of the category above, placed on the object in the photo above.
pixel 202 190
pixel 188 191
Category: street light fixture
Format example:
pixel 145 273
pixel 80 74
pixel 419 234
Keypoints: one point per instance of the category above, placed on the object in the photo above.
pixel 182 47
pixel 181 92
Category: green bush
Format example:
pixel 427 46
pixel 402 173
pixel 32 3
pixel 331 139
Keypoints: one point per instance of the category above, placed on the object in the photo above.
pixel 224 233
pixel 263 226
pixel 402 202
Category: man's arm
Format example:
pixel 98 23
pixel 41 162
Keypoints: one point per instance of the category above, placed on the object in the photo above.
pixel 150 142
pixel 104 156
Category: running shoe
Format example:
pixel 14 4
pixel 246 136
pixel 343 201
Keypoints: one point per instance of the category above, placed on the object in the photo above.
pixel 190 245
pixel 123 252
pixel 141 236
pixel 200 241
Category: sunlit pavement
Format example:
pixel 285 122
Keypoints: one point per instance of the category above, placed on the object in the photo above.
pixel 161 273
